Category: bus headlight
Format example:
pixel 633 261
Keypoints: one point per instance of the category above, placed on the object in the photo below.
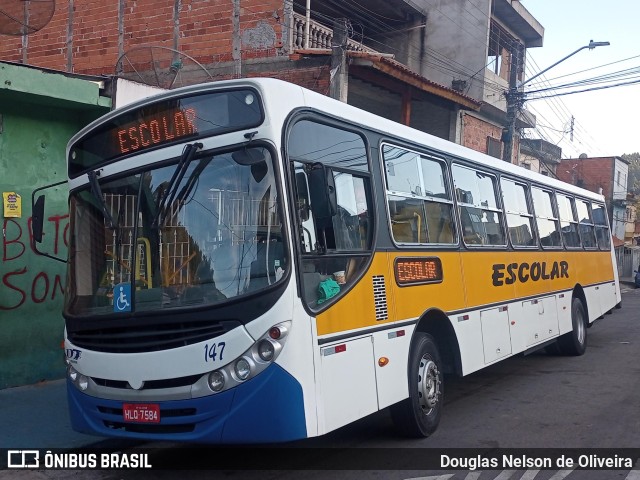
pixel 252 362
pixel 83 382
pixel 216 381
pixel 242 368
pixel 266 350
pixel 79 380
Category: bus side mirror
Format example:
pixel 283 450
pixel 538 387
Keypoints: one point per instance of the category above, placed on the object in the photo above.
pixel 37 219
pixel 322 192
pixel 255 158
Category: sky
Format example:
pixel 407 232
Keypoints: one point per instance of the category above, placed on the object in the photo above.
pixel 607 121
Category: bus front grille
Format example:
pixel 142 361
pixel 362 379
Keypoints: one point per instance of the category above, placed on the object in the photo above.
pixel 149 338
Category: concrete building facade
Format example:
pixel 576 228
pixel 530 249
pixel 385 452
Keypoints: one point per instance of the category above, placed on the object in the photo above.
pixel 539 156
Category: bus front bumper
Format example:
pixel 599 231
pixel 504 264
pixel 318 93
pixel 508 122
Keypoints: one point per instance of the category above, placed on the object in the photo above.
pixel 268 408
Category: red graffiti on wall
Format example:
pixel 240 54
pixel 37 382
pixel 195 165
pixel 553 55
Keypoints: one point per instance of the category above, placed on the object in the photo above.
pixel 36 286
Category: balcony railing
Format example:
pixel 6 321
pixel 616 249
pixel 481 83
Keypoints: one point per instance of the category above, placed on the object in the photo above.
pixel 320 36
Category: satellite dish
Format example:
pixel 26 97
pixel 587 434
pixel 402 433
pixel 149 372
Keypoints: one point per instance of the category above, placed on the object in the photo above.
pixel 24 17
pixel 161 67
pixel 583 156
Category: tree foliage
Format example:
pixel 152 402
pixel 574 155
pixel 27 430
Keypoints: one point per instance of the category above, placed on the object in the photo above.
pixel 634 172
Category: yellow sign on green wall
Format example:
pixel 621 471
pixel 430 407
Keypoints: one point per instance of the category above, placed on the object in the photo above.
pixel 12 205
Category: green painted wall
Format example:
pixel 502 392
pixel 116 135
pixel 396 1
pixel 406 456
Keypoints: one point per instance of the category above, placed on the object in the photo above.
pixel 39 113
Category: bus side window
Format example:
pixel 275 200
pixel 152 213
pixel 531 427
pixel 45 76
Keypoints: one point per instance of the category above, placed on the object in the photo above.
pixel 439 223
pixel 546 219
pixel 480 214
pixel 407 220
pixel 334 220
pixel 418 196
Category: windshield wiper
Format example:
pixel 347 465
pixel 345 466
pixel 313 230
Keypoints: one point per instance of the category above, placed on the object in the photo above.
pixel 97 194
pixel 193 178
pixel 170 192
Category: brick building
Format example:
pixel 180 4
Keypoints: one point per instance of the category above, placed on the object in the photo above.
pixel 608 175
pixel 418 62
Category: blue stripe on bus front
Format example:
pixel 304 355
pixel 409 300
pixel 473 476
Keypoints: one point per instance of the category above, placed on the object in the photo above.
pixel 267 408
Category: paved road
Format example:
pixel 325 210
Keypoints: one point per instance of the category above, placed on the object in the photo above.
pixel 525 402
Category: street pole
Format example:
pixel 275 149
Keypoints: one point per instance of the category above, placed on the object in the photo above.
pixel 513 106
pixel 516 97
pixel 339 75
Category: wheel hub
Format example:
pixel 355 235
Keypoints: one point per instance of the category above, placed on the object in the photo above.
pixel 428 384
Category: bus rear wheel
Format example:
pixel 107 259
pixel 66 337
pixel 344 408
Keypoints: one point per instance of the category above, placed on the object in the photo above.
pixel 575 342
pixel 418 416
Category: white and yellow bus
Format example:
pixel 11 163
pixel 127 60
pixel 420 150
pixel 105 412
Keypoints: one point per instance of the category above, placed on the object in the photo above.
pixel 250 261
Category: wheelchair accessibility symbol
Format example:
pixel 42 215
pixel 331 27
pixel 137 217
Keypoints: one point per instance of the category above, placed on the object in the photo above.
pixel 121 297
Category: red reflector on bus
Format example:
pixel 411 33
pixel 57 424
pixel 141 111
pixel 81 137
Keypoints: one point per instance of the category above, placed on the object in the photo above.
pixel 397 333
pixel 336 349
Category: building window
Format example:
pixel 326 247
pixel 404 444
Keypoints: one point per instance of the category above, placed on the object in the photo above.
pixel 503 49
pixel 494 147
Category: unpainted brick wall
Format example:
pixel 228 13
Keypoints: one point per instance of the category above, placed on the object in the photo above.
pixel 590 173
pixel 91 42
pixel 475 132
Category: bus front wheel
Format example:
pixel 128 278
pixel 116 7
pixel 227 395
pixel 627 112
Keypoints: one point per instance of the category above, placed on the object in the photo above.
pixel 575 341
pixel 419 415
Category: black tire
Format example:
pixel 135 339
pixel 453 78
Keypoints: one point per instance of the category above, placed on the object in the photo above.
pixel 575 342
pixel 419 415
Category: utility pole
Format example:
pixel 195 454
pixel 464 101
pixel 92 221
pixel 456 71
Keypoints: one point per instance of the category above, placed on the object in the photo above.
pixel 514 103
pixel 573 119
pixel 516 97
pixel 339 76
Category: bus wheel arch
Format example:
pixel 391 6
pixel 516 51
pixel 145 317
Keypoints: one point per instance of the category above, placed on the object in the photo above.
pixel 434 351
pixel 574 342
pixel 435 323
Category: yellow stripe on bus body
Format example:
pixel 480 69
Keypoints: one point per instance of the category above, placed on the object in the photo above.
pixel 470 280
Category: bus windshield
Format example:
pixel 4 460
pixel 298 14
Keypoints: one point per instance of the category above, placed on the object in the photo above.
pixel 197 233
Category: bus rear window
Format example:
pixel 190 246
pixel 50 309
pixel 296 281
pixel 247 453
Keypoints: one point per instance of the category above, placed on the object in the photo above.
pixel 164 122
